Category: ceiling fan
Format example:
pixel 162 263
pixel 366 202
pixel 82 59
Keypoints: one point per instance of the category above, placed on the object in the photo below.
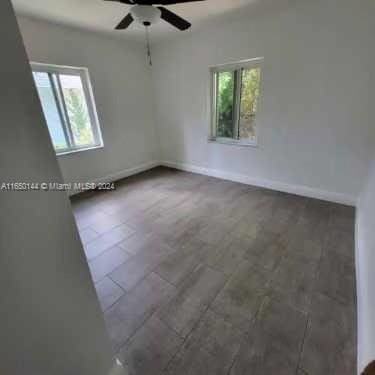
pixel 144 12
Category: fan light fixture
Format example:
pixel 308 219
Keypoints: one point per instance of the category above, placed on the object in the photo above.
pixel 145 14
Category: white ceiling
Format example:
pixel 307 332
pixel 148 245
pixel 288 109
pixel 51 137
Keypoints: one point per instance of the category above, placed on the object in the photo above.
pixel 103 16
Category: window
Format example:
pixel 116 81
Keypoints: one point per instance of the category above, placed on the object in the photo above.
pixel 235 96
pixel 68 106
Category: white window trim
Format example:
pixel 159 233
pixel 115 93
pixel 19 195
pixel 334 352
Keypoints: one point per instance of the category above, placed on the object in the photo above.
pixel 250 63
pixel 89 94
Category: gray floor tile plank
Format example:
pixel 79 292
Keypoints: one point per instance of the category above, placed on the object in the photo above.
pixel 135 307
pixel 108 292
pixel 106 262
pixel 129 274
pixel 186 307
pixel 210 260
pixel 151 348
pixel 107 240
pixel 241 296
pixel 209 349
pixel 331 329
pixel 87 235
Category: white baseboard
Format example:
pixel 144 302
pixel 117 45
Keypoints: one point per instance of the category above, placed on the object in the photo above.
pixel 269 184
pixel 127 172
pixel 244 179
pixel 121 174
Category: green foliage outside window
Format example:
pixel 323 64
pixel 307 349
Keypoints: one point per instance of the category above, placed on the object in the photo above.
pixel 78 116
pixel 225 100
pixel 249 102
pixel 227 104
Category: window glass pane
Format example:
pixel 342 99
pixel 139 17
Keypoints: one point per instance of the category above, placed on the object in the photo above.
pixel 76 106
pixel 249 102
pixel 225 104
pixel 50 110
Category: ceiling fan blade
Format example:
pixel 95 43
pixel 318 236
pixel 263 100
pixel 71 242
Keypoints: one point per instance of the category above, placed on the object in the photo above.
pixel 124 24
pixel 171 2
pixel 174 19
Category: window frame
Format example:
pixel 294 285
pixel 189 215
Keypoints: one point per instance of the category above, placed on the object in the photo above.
pixel 235 67
pixel 84 75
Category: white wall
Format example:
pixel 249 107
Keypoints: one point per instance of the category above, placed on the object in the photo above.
pixel 50 319
pixel 122 87
pixel 315 119
pixel 365 258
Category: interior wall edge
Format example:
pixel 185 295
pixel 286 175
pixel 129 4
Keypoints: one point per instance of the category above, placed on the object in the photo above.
pixel 364 262
pixel 358 290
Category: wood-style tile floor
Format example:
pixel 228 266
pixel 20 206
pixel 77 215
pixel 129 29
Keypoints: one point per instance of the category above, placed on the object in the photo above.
pixel 202 276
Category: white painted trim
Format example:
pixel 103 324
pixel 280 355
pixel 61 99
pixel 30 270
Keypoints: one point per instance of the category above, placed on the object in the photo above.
pixel 233 65
pixel 75 151
pixel 120 175
pixel 269 184
pixel 233 142
pixel 88 90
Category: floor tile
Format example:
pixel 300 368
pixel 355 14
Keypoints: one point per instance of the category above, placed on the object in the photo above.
pixel 135 307
pixel 104 225
pixel 280 221
pixel 129 274
pixel 342 217
pixel 119 233
pixel 294 278
pixel 203 283
pixel 88 235
pixel 210 348
pixel 107 240
pixel 215 231
pixel 106 262
pixel 341 243
pixel 262 360
pixel 274 341
pixel 336 279
pixel 178 266
pixel 266 250
pixel 331 329
pixel 241 297
pixel 139 241
pixel 246 228
pixel 231 255
pixel 186 307
pixel 150 349
pixel 85 220
pixel 210 260
pixel 217 336
pixel 108 292
pixel 303 242
pixel 283 326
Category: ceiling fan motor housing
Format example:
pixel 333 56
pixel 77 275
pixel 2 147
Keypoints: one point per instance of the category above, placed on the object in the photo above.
pixel 145 14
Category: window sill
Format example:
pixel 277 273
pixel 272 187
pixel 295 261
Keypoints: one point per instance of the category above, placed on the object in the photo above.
pixel 64 153
pixel 233 142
